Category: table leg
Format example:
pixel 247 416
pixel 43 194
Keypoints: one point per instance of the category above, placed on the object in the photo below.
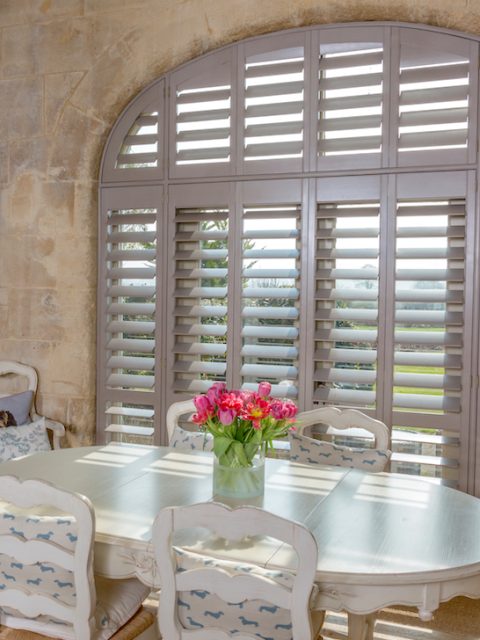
pixel 360 627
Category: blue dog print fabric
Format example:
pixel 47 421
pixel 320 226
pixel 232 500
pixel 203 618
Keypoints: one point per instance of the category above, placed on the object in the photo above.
pixel 42 577
pixel 309 451
pixel 196 440
pixel 202 609
pixel 22 440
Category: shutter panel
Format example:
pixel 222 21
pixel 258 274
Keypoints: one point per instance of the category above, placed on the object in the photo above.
pixel 202 111
pixel 346 301
pixel 128 293
pixel 135 148
pixel 200 305
pixel 270 297
pixel 351 99
pixel 274 110
pixel 428 342
pixel 437 88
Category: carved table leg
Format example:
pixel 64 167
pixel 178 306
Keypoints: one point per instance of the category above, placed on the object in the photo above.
pixel 360 627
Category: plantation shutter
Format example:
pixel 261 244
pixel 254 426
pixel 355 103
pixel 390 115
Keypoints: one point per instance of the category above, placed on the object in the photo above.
pixel 274 104
pixel 429 324
pixel 351 100
pixel 200 269
pixel 319 232
pixel 270 288
pixel 135 149
pixel 201 112
pixel 436 96
pixel 128 297
pixel 347 243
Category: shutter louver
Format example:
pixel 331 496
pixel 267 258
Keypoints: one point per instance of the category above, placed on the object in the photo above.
pixel 434 119
pixel 270 298
pixel 130 340
pixel 140 147
pixel 201 276
pixel 202 112
pixel 350 108
pixel 274 108
pixel 428 361
pixel 346 303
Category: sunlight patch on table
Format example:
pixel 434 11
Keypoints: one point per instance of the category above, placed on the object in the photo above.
pixel 294 478
pixel 370 491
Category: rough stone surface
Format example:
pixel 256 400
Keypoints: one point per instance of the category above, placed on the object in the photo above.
pixel 67 69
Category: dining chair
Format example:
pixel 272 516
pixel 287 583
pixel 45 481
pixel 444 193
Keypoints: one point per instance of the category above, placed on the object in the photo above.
pixel 351 422
pixel 22 404
pixel 47 582
pixel 210 599
pixel 180 438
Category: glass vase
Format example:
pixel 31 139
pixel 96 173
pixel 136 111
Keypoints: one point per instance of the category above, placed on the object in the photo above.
pixel 237 482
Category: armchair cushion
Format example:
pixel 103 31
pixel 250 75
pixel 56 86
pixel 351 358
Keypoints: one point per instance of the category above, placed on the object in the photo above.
pixel 19 406
pixel 22 440
pixel 310 451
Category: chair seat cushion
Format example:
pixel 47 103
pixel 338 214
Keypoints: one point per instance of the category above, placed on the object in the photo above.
pixel 141 621
pixel 310 451
pixel 199 609
pixel 184 439
pixel 22 440
pixel 117 602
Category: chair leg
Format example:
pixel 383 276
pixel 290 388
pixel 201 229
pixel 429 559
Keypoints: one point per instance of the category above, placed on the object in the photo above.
pixel 360 627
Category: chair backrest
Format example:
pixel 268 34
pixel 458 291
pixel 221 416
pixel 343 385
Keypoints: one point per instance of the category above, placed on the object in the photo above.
pixel 46 559
pixel 10 367
pixel 181 438
pixel 175 411
pixel 233 588
pixel 17 372
pixel 341 419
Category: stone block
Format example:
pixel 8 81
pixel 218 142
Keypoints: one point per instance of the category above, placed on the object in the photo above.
pixel 18 51
pixel 35 315
pixel 28 155
pixel 85 210
pixel 21 108
pixel 59 87
pixel 81 422
pixel 77 146
pixel 4 160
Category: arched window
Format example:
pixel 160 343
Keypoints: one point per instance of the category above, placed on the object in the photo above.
pixel 300 207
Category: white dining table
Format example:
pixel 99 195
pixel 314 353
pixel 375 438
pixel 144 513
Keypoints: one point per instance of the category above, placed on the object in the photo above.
pixel 382 538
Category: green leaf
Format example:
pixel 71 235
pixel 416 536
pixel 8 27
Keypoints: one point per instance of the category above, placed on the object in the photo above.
pixel 221 446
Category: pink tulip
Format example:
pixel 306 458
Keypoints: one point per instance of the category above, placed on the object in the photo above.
pixel 216 391
pixel 264 389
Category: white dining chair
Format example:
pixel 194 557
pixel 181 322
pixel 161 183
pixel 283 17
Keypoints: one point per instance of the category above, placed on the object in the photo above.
pixel 179 438
pixel 209 599
pixel 351 422
pixel 25 400
pixel 47 583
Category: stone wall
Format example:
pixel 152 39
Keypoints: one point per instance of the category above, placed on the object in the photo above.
pixel 67 68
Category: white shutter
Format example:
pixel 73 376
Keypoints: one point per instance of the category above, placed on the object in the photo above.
pixel 429 335
pixel 200 298
pixel 274 104
pixel 351 98
pixel 135 148
pixel 270 297
pixel 346 297
pixel 201 110
pixel 129 292
pixel 437 90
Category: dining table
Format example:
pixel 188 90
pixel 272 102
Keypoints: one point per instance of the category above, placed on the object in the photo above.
pixel 382 538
